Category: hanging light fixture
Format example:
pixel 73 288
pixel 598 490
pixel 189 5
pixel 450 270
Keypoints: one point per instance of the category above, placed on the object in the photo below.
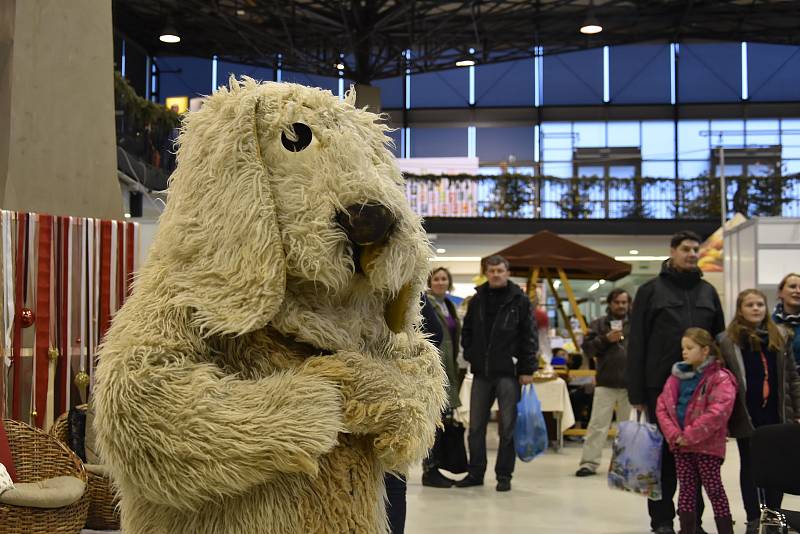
pixel 591 25
pixel 467 60
pixel 169 35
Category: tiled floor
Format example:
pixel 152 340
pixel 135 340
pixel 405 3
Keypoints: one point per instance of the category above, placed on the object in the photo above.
pixel 547 498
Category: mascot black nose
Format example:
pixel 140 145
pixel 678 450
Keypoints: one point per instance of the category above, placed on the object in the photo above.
pixel 367 224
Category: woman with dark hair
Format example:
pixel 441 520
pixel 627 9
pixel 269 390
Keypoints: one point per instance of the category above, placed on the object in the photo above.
pixel 441 322
pixel 787 312
pixel 760 357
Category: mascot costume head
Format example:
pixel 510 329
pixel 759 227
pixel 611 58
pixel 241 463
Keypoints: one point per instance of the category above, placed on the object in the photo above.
pixel 268 368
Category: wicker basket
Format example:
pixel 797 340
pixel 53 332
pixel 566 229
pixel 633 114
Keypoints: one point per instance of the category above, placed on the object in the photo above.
pixel 103 510
pixel 38 456
pixel 60 429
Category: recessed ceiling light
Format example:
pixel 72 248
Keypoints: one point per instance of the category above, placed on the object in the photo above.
pixel 590 25
pixel 633 252
pixel 590 28
pixel 240 12
pixel 170 38
pixel 169 34
pixel 339 66
pixel 127 215
pixel 601 281
pixel 441 250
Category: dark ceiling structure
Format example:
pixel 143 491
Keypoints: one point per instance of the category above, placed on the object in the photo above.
pixel 369 37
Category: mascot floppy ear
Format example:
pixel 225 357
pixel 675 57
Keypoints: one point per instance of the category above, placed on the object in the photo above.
pixel 218 246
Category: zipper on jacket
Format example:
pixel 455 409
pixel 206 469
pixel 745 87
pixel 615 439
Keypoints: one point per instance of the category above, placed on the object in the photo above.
pixel 491 331
pixel 488 342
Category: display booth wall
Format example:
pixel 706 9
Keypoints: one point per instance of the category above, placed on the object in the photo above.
pixel 63 279
pixel 758 254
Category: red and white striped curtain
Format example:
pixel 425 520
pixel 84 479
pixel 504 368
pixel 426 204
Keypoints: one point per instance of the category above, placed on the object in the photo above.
pixel 63 278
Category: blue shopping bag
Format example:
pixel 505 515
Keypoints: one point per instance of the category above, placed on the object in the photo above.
pixel 530 432
pixel 636 459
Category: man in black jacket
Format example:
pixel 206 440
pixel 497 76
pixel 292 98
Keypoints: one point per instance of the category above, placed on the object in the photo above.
pixel 606 343
pixel 500 345
pixel 677 299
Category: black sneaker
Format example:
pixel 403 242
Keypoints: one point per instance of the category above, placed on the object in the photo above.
pixel 434 479
pixel 469 481
pixel 503 485
pixel 584 472
pixel 665 529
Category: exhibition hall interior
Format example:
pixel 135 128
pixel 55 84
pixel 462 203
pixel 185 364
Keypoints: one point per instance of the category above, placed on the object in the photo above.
pixel 400 266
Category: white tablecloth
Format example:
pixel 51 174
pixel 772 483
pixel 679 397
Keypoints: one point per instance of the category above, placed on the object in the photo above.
pixel 552 394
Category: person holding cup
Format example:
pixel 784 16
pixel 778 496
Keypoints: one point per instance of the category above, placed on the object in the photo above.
pixel 606 343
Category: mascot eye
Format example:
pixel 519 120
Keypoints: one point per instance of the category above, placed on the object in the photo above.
pixel 303 134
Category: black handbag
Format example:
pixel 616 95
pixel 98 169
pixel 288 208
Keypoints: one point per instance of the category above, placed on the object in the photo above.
pixel 449 452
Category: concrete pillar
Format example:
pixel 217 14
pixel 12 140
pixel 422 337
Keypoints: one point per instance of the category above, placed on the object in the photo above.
pixel 57 138
pixel 367 95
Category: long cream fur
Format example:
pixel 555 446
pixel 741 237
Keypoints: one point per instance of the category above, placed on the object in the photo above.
pixel 216 410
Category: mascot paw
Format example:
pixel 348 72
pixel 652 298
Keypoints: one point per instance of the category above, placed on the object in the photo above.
pixel 392 421
pixel 328 368
pixel 399 448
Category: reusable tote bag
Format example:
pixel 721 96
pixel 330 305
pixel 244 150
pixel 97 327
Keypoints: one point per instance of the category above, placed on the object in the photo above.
pixel 636 459
pixel 530 432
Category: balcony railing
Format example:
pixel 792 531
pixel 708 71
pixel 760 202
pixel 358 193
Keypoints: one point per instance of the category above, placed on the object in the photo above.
pixel 526 197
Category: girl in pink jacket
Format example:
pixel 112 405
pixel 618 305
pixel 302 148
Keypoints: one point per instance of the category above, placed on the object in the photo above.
pixel 693 412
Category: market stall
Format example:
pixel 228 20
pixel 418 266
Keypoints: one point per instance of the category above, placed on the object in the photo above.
pixel 548 256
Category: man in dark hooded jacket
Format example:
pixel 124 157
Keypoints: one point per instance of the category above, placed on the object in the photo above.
pixel 500 345
pixel 664 308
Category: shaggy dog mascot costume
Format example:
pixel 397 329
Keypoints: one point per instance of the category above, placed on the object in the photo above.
pixel 268 369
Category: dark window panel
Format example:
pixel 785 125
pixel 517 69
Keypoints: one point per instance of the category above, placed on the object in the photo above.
pixel 505 84
pixel 225 69
pixel 773 72
pixel 496 144
pixel 441 89
pixel 573 78
pixel 438 142
pixel 710 72
pixel 328 83
pixel 639 74
pixel 184 76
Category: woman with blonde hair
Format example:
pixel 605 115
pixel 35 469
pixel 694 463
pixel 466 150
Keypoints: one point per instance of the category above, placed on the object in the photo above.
pixel 787 312
pixel 440 321
pixel 760 357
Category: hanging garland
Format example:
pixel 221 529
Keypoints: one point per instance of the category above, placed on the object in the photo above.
pixel 144 113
